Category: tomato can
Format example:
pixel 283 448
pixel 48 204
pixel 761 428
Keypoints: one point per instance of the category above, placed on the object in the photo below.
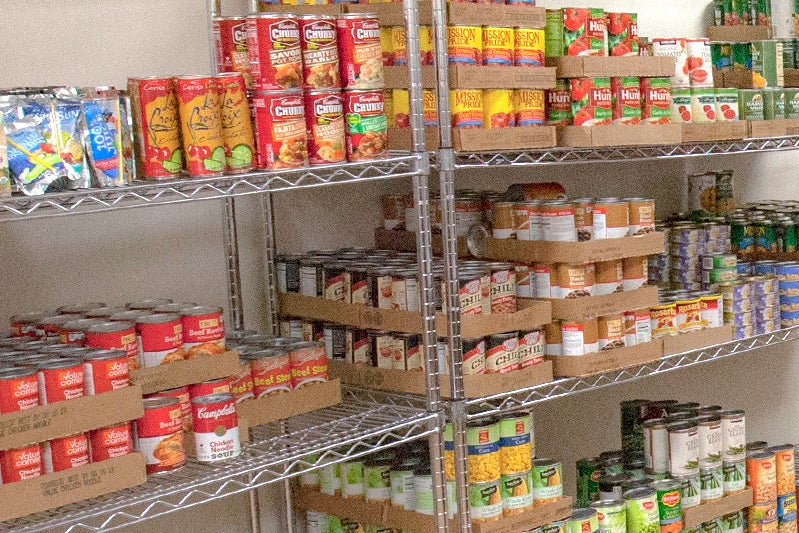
pixel 25 325
pixel 237 134
pixel 19 389
pixel 280 129
pixel 655 100
pixel 319 45
pixel 182 394
pixel 160 339
pixel 558 104
pixel 676 48
pixel 21 463
pixel 216 427
pixel 699 62
pixel 60 380
pixel 426 45
pixel 366 125
pixel 528 47
pixel 591 101
pixel 65 453
pixel 387 45
pixel 274 51
pixel 308 363
pixel 498 108
pixel 105 370
pixel 200 116
pixel 626 98
pixel 465 44
pixel 498 45
pixel 110 441
pixel 467 108
pixel 360 52
pixel 231 46
pixel 271 371
pixel 324 117
pixel 159 435
pixel 529 107
pixel 203 331
pixel 430 107
pixel 211 386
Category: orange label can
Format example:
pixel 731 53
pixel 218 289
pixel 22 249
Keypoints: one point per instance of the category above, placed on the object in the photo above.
pixel 497 46
pixel 498 108
pixel 529 106
pixel 236 124
pixel 20 464
pixel 274 50
pixel 324 116
pixel 528 47
pixel 201 125
pixel 155 109
pixel 467 108
pixel 465 45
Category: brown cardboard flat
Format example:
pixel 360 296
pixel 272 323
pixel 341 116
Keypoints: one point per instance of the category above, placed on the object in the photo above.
pixel 578 309
pixel 739 34
pixel 717 131
pixel 619 135
pixel 321 309
pixel 696 340
pixel 181 373
pixel 595 363
pixel 477 77
pixel 530 519
pixel 70 486
pixel 60 419
pixel 694 516
pixel 405 241
pixel 791 77
pixel 573 252
pixel 397 77
pixel 595 66
pixel 391 14
pixel 738 79
pixel 479 140
pixel 287 404
pixel 328 9
pixel 495 15
pixel 402 139
pixel 759 129
pixel 530 317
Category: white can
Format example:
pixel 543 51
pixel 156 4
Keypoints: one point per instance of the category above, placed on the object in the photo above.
pixel 733 436
pixel 656 446
pixel 683 448
pixel 216 427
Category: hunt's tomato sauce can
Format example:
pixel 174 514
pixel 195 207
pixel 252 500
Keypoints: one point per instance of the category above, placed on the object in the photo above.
pixel 159 435
pixel 60 380
pixel 366 125
pixel 65 453
pixel 280 131
pixel 21 464
pixel 160 339
pixel 184 400
pixel 155 110
pixel 361 54
pixel 216 428
pixel 203 331
pixel 19 389
pixel 212 386
pixel 319 44
pixel 105 370
pixel 115 336
pixel 274 50
pixel 232 50
pixel 324 116
pixel 112 441
pixel 308 363
pixel 200 113
pixel 271 371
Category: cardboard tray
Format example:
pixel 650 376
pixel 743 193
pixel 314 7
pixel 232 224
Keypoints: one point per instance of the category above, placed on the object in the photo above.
pixel 694 516
pixel 597 363
pixel 480 139
pixel 70 486
pixel 697 340
pixel 619 135
pixel 364 317
pixel 60 419
pixel 391 14
pixel 791 77
pixel 595 67
pixel 405 241
pixel 577 309
pixel 718 131
pixel 181 373
pixel 308 9
pixel 402 139
pixel 573 252
pixel 416 383
pixel 759 129
pixel 535 517
pixel 477 77
pixel 739 34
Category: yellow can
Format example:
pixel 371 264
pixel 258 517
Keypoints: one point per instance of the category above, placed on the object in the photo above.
pixel 398 45
pixel 498 108
pixel 528 104
pixel 401 108
pixel 466 107
pixel 430 107
pixel 426 45
pixel 497 46
pixel 465 44
pixel 388 107
pixel 528 47
pixel 387 45
pixel 236 124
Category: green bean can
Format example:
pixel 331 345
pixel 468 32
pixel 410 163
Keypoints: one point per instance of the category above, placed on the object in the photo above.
pixel 733 522
pixel 711 526
pixel 791 102
pixel 633 413
pixel 788 53
pixel 767 67
pixel 773 103
pixel 583 521
pixel 750 104
pixel 690 495
pixel 695 529
pixel 612 516
pixel 711 483
pixel 588 473
pixel 642 511
pixel 734 476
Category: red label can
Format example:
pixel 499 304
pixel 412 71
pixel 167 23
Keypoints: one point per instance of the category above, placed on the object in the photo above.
pixel 203 331
pixel 65 453
pixel 21 464
pixel 319 44
pixel 19 389
pixel 105 370
pixel 559 104
pixel 49 327
pixel 324 116
pixel 367 127
pixel 60 380
pixel 182 394
pixel 528 104
pixel 155 109
pixel 200 116
pixel 271 371
pixel 115 336
pixel 111 441
pixel 216 427
pixel 212 386
pixel 160 339
pixel 159 435
pixel 74 331
pixel 230 42
pixel 242 385
pixel 360 52
pixel 308 363
pixel 274 49
pixel 280 131
pixel 25 325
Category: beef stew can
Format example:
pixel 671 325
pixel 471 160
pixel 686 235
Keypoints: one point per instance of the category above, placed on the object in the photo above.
pixel 160 339
pixel 320 58
pixel 159 435
pixel 241 385
pixel 271 371
pixel 216 428
pixel 308 364
pixel 184 400
pixel 203 331
pixel 115 336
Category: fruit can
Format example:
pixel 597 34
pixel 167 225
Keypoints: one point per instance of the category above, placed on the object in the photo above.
pixel 528 47
pixel 155 111
pixel 681 108
pixel 231 46
pixel 105 370
pixel 558 104
pixel 366 127
pixel 160 339
pixel 65 453
pixel 498 108
pixel 547 481
pixel 237 134
pixel 699 62
pixel 676 48
pixel 324 116
pixel 319 45
pixel 516 492
pixel 184 400
pixel 485 501
pixel 203 331
pixel 591 101
pixel 465 45
pixel 159 435
pixel 19 389
pixel 201 124
pixel 274 51
pixel 308 364
pixel 429 107
pixel 110 441
pixel 726 105
pixel 669 505
pixel 360 53
pixel 60 380
pixel 655 100
pixel 582 521
pixel 280 129
pixel 642 510
pixel 498 46
pixel 626 100
pixel 529 107
pixel 271 371
pixel 20 464
pixel 211 386
pixel 584 32
pixel 216 427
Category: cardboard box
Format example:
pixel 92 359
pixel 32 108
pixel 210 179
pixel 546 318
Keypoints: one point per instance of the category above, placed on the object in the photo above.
pixel 405 241
pixel 577 309
pixel 596 67
pixel 619 135
pixel 694 516
pixel 596 363
pixel 287 404
pixel 535 517
pixel 477 77
pixel 738 79
pixel 60 419
pixel 573 252
pixel 391 14
pixel 759 129
pixel 739 34
pixel 416 382
pixel 181 373
pixel 481 140
pixel 61 488
pixel 398 77
pixel 718 131
pixel 696 340
pixel 328 9
pixel 402 139
pixel 791 77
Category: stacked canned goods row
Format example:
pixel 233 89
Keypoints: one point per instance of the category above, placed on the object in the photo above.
pixel 784 281
pixel 770 472
pixel 769 103
pixel 496 108
pixel 789 53
pixel 764 59
pixel 681 311
pixel 591 31
pixel 693 61
pixel 752 304
pixel 608 332
pixel 765 228
pixel 394 45
pixel 706 105
pixel 581 280
pixel 742 12
pixel 495 45
pixel 152 332
pixel 398 108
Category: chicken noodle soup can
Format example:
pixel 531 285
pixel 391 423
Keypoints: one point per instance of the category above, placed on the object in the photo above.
pixel 19 389
pixel 20 464
pixel 105 370
pixel 366 126
pixel 159 435
pixel 324 117
pixel 200 113
pixel 111 441
pixel 274 50
pixel 65 453
pixel 319 45
pixel 237 133
pixel 280 129
pixel 216 427
pixel 155 111
pixel 60 380
pixel 361 55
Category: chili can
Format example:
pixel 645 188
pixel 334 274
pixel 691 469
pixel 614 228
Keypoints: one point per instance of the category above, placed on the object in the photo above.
pixel 361 56
pixel 216 427
pixel 19 389
pixel 159 435
pixel 110 441
pixel 280 129
pixel 366 125
pixel 237 133
pixel 324 117
pixel 200 115
pixel 274 51
pixel 20 464
pixel 60 380
pixel 474 353
pixel 65 453
pixel 502 353
pixel 203 331
pixel 503 288
pixel 231 46
pixel 319 45
pixel 531 348
pixel 115 336
pixel 271 371
pixel 105 370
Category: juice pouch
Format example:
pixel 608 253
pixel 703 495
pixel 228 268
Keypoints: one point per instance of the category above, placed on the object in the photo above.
pixel 126 121
pixel 67 137
pixel 34 164
pixel 5 179
pixel 104 140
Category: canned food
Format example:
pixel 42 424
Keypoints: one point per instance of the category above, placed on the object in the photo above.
pixel 575 280
pixel 237 133
pixel 531 348
pixel 711 482
pixel 485 501
pixel 734 476
pixel 465 44
pixel 579 338
pixel 111 441
pixel 105 370
pixel 241 384
pixel 611 219
pixel 610 332
pixel 516 492
pixel 324 116
pixel 21 463
pixel 733 436
pixel 761 475
pixel 202 135
pixel 216 428
pixel 65 453
pixel 184 400
pixel 160 339
pixel 319 46
pixel 683 448
pixel 762 517
pixel 547 481
pixel 498 46
pixel 557 221
pixel 690 496
pixel 274 50
pixel 498 108
pixel 159 435
pixel 231 47
pixel 501 353
pixel 19 389
pixel 308 364
pixel 271 371
pixel 582 520
pixel 60 380
pixel 474 352
pixel 669 505
pixel 609 277
pixel 664 320
pixel 611 515
pixel 528 47
pixel 642 510
pixel 483 456
pixel 377 474
pixel 365 125
pixel 280 129
pixel 203 331
pixel 784 463
pixel 360 51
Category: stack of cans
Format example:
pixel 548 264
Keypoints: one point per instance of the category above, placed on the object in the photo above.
pixel 681 266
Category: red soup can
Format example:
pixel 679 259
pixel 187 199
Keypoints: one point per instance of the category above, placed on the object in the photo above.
pixel 149 304
pixel 159 435
pixel 74 331
pixel 65 453
pixel 160 339
pixel 112 441
pixel 280 131
pixel 105 370
pixel 78 309
pixel 242 386
pixel 230 43
pixel 361 54
pixel 274 51
pixel 308 363
pixel 212 386
pixel 21 464
pixel 271 371
pixel 25 325
pixel 367 128
pixel 216 427
pixel 115 336
pixel 19 389
pixel 182 395
pixel 203 331
pixel 60 380
pixel 50 326
pixel 324 116
pixel 319 44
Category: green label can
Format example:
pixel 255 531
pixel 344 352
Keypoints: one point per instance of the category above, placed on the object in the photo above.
pixel 791 102
pixel 378 481
pixel 726 105
pixel 632 416
pixel 765 235
pixel 547 480
pixel 767 66
pixel 762 12
pixel 681 105
pixel 669 505
pixel 582 520
pixel 725 203
pixel 711 483
pixel 703 105
pixel 773 103
pixel 553 35
pixel 515 443
pixel 588 473
pixel 711 526
pixel 330 480
pixel 733 522
pixel 739 240
pixel 482 445
pixel 486 501
pixel 750 102
pixel 741 12
pixel 788 53
pixel 516 492
pixel 721 55
pixel 788 236
pixel 691 495
pixel 352 479
pixel 642 510
pixel 612 516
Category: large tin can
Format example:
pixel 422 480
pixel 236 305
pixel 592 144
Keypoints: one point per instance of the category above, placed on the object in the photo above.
pixel 231 46
pixel 319 44
pixel 274 51
pixel 216 427
pixel 360 52
pixel 366 125
pixel 280 129
pixel 324 117
pixel 159 435
pixel 201 124
pixel 155 113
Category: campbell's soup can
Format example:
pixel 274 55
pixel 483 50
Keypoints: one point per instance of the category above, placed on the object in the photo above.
pixel 274 51
pixel 271 371
pixel 216 427
pixel 241 385
pixel 366 132
pixel 360 52
pixel 200 113
pixel 160 339
pixel 19 389
pixel 324 118
pixel 60 380
pixel 231 46
pixel 105 370
pixel 159 435
pixel 319 45
pixel 211 386
pixel 203 331
pixel 184 400
pixel 155 110
pixel 115 336
pixel 237 134
pixel 280 129
pixel 20 464
pixel 111 441
pixel 308 363
pixel 65 453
